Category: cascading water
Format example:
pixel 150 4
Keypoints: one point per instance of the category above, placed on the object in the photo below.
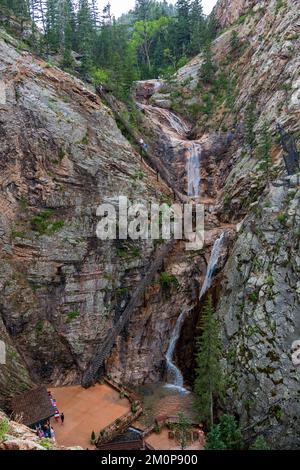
pixel 193 170
pixel 175 122
pixel 212 265
pixel 166 119
pixel 174 375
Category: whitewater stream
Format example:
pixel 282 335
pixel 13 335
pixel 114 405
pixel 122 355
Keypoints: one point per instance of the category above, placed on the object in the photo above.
pixel 174 375
pixel 213 264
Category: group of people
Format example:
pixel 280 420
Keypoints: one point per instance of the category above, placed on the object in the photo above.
pixel 45 431
pixel 57 415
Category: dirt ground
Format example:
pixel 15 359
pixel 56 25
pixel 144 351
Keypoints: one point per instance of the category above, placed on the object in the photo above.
pixel 85 410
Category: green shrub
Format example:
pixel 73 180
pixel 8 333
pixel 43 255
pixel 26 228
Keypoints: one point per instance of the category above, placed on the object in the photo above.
pixel 208 104
pixel 225 436
pixel 157 429
pixel 168 281
pixel 84 140
pixel 279 5
pixel 4 428
pixel 17 234
pixel 254 296
pixel 122 291
pixel 260 444
pixel 44 223
pixel 73 315
pixel 282 218
pixel 194 110
pixel 46 443
pixel 278 413
pixel 93 437
pixel 99 76
pixel 139 175
pixel 234 41
pixel 134 407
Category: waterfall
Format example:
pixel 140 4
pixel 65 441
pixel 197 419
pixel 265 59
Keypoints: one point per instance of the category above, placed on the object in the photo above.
pixel 175 122
pixel 212 265
pixel 166 119
pixel 193 170
pixel 173 373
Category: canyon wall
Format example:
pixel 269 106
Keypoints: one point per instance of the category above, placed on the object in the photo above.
pixel 62 154
pixel 257 294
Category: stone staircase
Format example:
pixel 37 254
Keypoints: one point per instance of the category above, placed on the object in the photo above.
pixel 96 366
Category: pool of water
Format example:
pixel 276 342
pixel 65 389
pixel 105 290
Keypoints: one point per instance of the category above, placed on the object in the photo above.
pixel 161 400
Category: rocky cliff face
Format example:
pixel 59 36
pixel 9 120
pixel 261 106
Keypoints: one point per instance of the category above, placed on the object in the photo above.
pixel 228 12
pixel 260 311
pixel 257 294
pixel 62 154
pixel 62 290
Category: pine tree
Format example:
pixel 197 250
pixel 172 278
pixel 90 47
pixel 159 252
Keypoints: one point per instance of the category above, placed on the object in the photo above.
pixel 182 429
pixel 214 440
pixel 85 34
pixel 208 69
pixel 106 15
pixel 183 26
pixel 209 383
pixel 230 433
pixel 234 42
pixel 19 7
pixel 225 436
pixel 95 12
pixel 67 30
pixel 142 10
pixel 197 27
pixel 37 10
pixel 260 444
pixel 52 25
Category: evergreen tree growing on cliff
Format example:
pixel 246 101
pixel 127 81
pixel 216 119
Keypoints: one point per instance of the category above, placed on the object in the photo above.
pixel 197 27
pixel 52 25
pixel 209 384
pixel 19 7
pixel 67 27
pixel 260 444
pixel 226 435
pixel 85 34
pixel 183 28
pixel 208 69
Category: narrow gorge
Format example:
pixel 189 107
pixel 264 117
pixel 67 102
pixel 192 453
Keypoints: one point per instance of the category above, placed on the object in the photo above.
pixel 75 309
